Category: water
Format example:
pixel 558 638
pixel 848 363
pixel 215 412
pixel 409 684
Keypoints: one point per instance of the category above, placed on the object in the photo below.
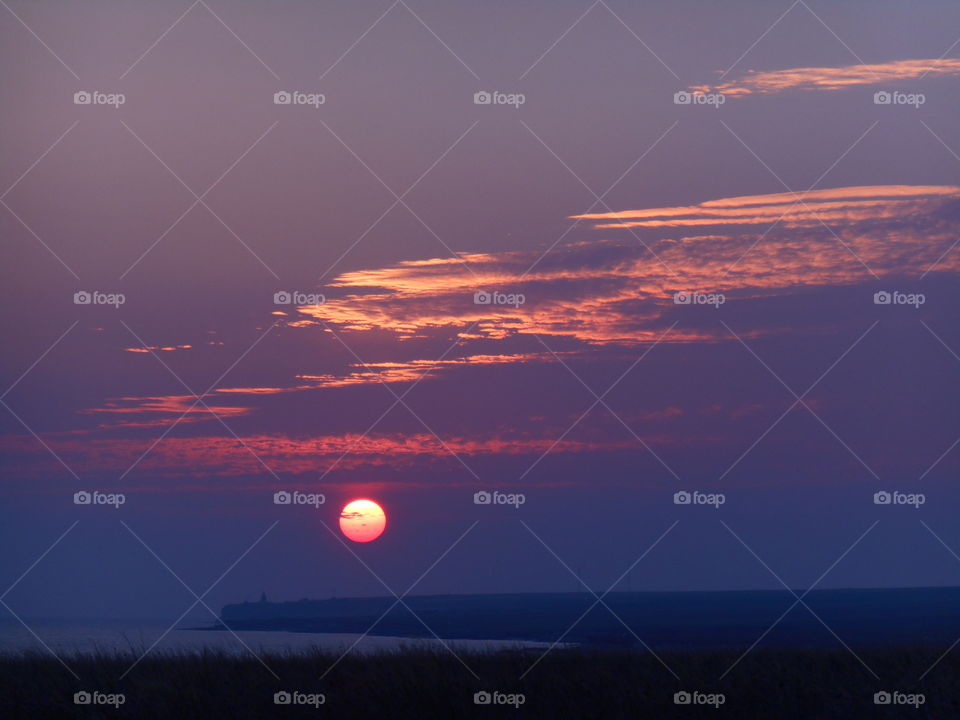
pixel 72 637
pixel 675 620
pixel 689 620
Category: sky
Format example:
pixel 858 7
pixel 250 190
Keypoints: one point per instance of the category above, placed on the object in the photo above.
pixel 685 247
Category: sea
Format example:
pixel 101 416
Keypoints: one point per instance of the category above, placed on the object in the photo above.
pixel 894 617
pixel 67 637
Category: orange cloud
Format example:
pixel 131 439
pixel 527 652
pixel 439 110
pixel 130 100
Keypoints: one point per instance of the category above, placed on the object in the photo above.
pixel 832 78
pixel 607 291
pixel 198 457
pixel 846 205
pixel 169 406
pixel 413 370
pixel 612 290
pixel 157 348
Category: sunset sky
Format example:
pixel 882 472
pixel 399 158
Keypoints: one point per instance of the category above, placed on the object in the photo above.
pixel 794 200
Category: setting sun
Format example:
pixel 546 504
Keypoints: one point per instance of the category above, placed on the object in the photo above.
pixel 362 520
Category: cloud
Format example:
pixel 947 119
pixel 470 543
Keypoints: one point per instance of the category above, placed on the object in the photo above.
pixel 799 209
pixel 591 300
pixel 168 407
pixel 616 290
pixel 213 456
pixel 161 410
pixel 832 78
pixel 414 370
pixel 158 348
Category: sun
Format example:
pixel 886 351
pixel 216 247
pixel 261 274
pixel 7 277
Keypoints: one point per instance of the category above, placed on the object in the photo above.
pixel 362 520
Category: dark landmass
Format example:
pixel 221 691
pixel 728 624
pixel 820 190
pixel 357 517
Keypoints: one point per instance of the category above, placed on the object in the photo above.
pixel 679 620
pixel 425 684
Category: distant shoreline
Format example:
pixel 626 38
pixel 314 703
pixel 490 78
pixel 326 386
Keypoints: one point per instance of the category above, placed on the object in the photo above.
pixel 679 620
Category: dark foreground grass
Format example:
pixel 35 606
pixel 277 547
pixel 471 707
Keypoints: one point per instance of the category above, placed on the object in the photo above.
pixel 416 683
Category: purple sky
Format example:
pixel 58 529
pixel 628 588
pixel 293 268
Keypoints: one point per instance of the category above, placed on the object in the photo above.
pixel 398 198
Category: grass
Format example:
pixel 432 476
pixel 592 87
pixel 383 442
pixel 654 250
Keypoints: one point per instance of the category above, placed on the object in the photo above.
pixel 421 683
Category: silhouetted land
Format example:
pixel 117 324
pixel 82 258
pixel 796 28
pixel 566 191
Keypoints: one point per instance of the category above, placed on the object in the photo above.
pixel 780 684
pixel 678 620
